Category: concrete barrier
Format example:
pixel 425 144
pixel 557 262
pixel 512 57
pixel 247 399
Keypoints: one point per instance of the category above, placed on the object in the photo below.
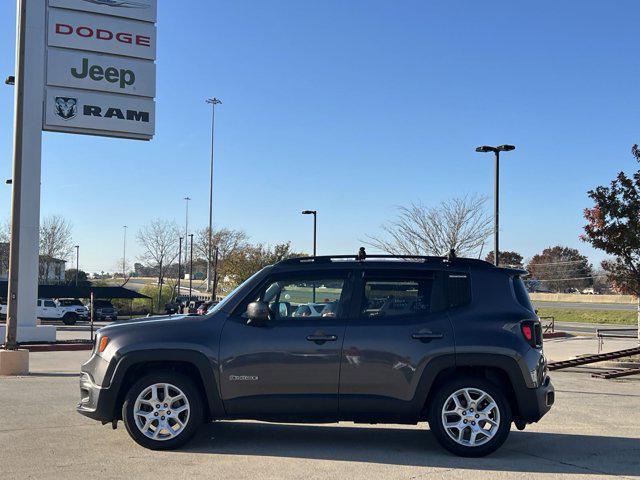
pixel 579 298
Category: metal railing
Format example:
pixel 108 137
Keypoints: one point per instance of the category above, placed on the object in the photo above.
pixel 550 326
pixel 603 333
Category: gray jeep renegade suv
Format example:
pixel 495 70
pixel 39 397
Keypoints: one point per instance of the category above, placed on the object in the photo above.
pixel 451 341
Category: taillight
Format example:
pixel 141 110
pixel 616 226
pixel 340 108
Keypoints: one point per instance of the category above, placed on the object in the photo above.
pixel 527 331
pixel 532 333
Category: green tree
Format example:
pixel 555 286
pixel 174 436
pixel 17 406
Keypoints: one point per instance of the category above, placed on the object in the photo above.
pixel 613 225
pixel 507 259
pixel 70 277
pixel 244 262
pixel 561 268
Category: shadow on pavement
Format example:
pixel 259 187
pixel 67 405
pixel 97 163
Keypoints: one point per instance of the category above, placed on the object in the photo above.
pixel 523 451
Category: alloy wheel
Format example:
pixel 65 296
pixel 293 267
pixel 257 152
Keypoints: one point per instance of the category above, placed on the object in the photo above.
pixel 471 417
pixel 161 411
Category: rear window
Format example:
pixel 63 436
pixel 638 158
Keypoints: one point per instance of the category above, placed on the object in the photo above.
pixel 522 295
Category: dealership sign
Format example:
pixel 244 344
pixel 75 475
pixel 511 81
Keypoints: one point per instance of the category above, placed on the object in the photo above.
pixel 89 112
pixel 145 10
pixel 106 73
pixel 100 33
pixel 100 68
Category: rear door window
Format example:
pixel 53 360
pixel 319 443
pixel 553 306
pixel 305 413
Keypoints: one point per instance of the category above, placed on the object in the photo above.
pixel 398 294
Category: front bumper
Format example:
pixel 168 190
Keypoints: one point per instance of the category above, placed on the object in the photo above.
pixel 96 401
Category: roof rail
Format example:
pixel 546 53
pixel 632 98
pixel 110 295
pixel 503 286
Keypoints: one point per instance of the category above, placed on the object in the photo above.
pixel 424 258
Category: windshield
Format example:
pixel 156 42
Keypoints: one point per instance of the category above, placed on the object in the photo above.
pixel 231 294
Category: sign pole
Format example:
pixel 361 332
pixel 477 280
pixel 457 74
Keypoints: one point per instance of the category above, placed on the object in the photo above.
pixel 25 204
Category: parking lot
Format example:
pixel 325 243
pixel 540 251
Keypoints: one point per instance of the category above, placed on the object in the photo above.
pixel 592 432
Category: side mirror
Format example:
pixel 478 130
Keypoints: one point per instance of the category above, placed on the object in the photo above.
pixel 258 313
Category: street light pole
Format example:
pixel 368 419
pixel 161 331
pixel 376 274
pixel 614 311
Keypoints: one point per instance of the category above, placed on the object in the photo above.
pixel 315 231
pixel 186 228
pixel 190 266
pixel 179 264
pixel 213 102
pixel 77 247
pixel 124 255
pixel 315 235
pixel 496 196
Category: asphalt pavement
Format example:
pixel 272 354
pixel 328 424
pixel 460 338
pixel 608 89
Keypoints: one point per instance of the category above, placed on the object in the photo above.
pixel 591 432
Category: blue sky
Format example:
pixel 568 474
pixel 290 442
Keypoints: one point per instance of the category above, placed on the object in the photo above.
pixel 352 108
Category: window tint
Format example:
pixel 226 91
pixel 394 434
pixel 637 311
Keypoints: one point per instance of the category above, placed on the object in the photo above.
pixel 521 293
pixel 397 296
pixel 458 290
pixel 300 297
pixel 49 303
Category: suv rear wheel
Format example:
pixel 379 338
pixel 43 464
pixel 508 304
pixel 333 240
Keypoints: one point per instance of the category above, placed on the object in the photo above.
pixel 163 410
pixel 470 417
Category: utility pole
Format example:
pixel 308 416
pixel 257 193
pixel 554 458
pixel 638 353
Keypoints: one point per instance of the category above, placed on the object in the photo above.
pixel 213 102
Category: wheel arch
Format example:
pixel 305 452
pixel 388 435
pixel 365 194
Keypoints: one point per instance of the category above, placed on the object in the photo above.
pixel 501 370
pixel 192 364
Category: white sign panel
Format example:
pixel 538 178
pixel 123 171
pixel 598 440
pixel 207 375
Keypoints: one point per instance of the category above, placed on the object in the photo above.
pixel 145 10
pixel 81 111
pixel 101 33
pixel 106 73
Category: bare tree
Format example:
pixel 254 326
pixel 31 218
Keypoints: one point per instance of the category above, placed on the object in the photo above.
pixel 159 242
pixel 56 242
pixel 461 223
pixel 5 235
pixel 228 242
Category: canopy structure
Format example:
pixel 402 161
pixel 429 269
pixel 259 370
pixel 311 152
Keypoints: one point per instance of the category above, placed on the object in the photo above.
pixel 81 291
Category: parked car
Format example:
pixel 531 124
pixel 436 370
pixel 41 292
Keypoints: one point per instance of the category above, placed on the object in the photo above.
pixel 104 310
pixel 192 306
pixel 47 309
pixel 75 305
pixel 204 308
pixel 176 305
pixel 454 342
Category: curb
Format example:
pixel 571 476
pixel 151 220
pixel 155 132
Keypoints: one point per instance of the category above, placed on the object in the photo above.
pixel 555 335
pixel 52 347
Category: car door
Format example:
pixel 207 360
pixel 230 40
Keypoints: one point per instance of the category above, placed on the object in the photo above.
pixel 288 368
pixel 399 335
pixel 50 310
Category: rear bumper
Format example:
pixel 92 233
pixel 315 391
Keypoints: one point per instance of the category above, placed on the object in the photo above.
pixel 536 402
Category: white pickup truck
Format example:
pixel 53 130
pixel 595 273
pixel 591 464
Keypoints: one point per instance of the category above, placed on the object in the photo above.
pixel 67 311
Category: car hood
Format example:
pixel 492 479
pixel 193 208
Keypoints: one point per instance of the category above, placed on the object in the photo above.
pixel 146 322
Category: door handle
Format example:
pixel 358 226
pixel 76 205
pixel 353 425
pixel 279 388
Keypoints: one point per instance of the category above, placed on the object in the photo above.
pixel 320 338
pixel 427 336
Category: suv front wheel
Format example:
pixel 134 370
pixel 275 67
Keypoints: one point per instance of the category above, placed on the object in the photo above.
pixel 163 410
pixel 470 417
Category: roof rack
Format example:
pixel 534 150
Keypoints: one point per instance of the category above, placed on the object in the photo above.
pixel 424 258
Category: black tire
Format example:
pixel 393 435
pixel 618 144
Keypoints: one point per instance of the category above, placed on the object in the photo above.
pixel 70 318
pixel 439 431
pixel 195 418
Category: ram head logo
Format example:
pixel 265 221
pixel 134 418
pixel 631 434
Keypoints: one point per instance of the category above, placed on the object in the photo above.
pixel 66 108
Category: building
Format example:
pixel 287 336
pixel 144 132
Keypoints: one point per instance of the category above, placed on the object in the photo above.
pixel 51 271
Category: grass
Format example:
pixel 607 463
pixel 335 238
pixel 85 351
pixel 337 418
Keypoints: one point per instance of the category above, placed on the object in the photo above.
pixel 620 317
